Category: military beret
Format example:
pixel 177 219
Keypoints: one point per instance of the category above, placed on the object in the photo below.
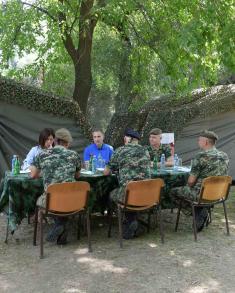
pixel 209 134
pixel 63 134
pixel 132 133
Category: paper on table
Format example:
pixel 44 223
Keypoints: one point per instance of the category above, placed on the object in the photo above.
pixel 24 171
pixel 185 169
pixel 86 172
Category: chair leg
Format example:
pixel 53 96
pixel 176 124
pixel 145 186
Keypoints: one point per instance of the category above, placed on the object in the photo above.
pixel 149 217
pixel 178 216
pixel 88 230
pixel 161 227
pixel 35 227
pixel 194 223
pixel 120 226
pixel 226 218
pixel 28 216
pixel 110 218
pixel 7 230
pixel 79 227
pixel 41 232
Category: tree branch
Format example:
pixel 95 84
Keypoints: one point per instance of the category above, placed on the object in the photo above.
pixel 41 9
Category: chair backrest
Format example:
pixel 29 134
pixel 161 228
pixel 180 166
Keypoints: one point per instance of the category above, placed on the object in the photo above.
pixel 215 188
pixel 144 192
pixel 67 197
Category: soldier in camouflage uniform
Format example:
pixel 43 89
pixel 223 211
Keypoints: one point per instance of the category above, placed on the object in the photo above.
pixel 57 165
pixel 208 162
pixel 157 149
pixel 132 162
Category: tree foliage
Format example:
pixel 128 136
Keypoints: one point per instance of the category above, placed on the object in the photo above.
pixel 140 48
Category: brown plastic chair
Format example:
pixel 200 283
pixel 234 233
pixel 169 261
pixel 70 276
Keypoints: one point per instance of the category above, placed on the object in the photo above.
pixel 214 190
pixel 140 196
pixel 64 200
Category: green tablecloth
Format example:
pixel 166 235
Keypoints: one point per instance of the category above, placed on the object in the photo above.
pixel 19 193
pixel 172 178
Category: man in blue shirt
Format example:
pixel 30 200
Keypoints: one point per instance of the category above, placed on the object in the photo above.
pixel 98 147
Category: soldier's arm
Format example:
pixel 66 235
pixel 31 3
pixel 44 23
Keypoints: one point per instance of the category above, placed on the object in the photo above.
pixel 34 172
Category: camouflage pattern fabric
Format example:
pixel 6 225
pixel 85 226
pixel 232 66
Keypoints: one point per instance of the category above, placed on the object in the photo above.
pixel 163 149
pixel 132 162
pixel 57 165
pixel 20 193
pixel 206 163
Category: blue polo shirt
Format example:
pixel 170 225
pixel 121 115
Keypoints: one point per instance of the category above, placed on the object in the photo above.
pixel 106 152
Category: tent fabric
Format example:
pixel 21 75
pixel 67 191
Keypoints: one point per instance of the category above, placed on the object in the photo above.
pixel 222 124
pixel 20 128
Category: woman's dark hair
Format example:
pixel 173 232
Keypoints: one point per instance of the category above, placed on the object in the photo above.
pixel 43 136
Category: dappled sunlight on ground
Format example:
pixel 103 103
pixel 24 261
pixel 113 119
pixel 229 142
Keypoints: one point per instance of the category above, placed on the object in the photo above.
pixel 81 251
pixel 98 265
pixel 212 286
pixel 152 245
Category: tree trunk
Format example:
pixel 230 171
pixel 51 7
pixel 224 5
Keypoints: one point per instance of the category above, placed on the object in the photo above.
pixel 125 95
pixel 82 62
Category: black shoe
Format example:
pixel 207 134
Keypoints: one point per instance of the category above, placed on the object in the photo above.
pixel 62 238
pixel 129 230
pixel 201 218
pixel 55 232
pixel 140 230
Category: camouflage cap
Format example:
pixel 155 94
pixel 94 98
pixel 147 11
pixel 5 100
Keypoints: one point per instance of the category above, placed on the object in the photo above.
pixel 64 135
pixel 155 131
pixel 209 134
pixel 132 133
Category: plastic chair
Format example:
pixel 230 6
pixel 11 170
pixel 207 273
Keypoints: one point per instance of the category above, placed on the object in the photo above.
pixel 64 200
pixel 214 190
pixel 140 196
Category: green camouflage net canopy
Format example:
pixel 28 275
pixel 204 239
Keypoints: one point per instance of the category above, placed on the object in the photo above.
pixel 186 117
pixel 26 110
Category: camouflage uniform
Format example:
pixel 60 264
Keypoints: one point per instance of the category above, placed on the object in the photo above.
pixel 163 149
pixel 132 162
pixel 57 165
pixel 207 163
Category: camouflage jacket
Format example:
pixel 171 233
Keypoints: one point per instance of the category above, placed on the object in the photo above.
pixel 57 165
pixel 132 161
pixel 209 163
pixel 163 149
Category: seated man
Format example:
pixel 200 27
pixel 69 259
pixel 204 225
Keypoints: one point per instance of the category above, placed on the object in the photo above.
pixel 98 148
pixel 132 162
pixel 208 162
pixel 57 165
pixel 157 149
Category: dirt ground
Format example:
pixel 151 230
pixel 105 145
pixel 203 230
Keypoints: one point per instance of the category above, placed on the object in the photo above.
pixel 143 265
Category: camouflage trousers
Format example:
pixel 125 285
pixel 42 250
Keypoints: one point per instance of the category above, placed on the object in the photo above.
pixel 186 191
pixel 41 201
pixel 118 194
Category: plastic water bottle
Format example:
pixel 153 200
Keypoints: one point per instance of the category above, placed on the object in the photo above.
pixel 163 161
pixel 100 161
pixel 94 164
pixel 176 162
pixel 90 162
pixel 17 165
pixel 13 164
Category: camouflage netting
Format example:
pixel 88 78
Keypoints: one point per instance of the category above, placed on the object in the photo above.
pixel 25 111
pixel 37 100
pixel 212 109
pixel 172 114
